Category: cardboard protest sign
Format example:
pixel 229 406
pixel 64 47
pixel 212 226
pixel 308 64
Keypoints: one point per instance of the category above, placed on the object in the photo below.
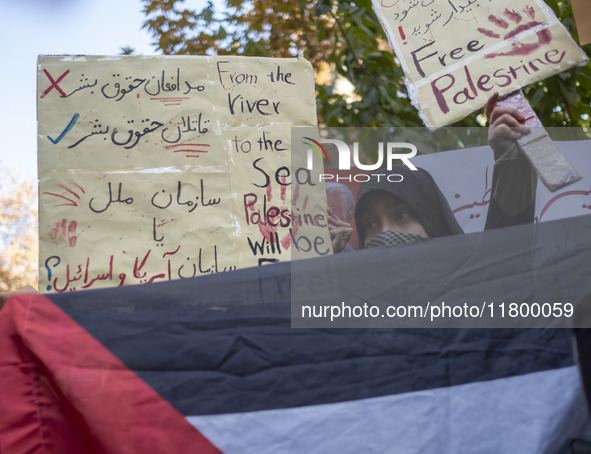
pixel 160 168
pixel 582 13
pixel 456 53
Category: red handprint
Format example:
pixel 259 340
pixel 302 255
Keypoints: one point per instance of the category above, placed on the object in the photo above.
pixel 518 48
pixel 63 231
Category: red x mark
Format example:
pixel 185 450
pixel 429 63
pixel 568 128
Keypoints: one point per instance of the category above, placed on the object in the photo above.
pixel 54 83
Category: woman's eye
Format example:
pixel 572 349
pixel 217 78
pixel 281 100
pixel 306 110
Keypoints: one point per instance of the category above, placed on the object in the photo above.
pixel 370 224
pixel 403 215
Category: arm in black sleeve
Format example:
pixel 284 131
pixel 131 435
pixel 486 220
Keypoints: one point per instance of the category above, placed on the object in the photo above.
pixel 514 186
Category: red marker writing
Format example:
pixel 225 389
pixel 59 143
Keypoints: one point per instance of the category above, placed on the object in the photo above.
pixel 402 35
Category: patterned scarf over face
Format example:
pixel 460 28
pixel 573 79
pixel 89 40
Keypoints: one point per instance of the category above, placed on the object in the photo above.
pixel 390 238
pixel 419 191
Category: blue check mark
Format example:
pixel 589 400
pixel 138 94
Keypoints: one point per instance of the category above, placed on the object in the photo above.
pixel 65 131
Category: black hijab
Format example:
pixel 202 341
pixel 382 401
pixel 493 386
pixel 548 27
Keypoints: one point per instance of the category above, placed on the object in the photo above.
pixel 420 192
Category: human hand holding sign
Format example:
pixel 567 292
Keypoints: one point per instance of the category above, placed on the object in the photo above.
pixel 504 122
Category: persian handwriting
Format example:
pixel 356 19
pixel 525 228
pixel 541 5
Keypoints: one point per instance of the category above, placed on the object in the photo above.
pixel 152 86
pixel 84 86
pixel 121 86
pixel 127 114
pixel 163 200
pixel 129 139
pixel 562 195
pixel 199 266
pixel 81 275
pixel 96 131
pixel 119 199
pixel 485 197
pixel 188 125
pixel 134 136
pixel 117 92
pixel 446 9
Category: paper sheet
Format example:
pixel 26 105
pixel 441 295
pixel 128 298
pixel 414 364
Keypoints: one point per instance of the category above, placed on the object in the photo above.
pixel 582 13
pixel 160 168
pixel 457 53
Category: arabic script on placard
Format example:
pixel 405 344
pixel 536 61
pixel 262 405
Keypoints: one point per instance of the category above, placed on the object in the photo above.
pixel 162 168
pixel 457 53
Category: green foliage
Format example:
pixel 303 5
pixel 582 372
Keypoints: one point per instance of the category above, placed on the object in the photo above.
pixel 360 54
pixel 344 40
pixel 564 99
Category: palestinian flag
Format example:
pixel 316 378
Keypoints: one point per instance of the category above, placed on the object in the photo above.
pixel 213 365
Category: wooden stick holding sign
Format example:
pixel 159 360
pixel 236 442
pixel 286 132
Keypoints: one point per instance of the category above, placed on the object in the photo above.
pixel 545 157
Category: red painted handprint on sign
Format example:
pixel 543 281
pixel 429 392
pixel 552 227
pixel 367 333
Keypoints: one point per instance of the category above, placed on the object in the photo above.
pixel 64 232
pixel 512 26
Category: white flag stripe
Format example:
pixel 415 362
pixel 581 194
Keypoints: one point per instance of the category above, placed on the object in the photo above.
pixel 529 414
